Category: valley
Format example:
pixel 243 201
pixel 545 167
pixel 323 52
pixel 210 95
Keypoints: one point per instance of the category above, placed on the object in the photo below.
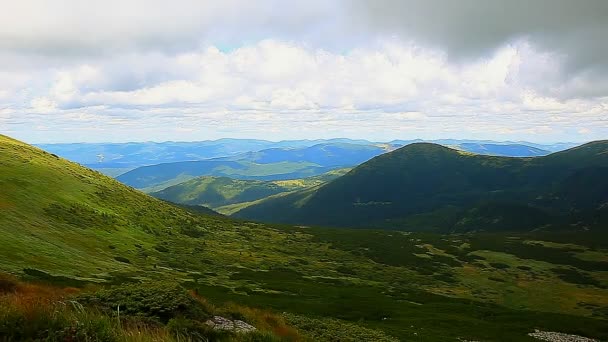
pixel 303 171
pixel 66 225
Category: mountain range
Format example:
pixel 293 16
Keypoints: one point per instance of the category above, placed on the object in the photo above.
pixel 426 187
pixel 117 158
pixel 227 195
pixel 270 164
pixel 104 245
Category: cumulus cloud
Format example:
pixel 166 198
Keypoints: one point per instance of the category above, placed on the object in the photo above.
pixel 191 70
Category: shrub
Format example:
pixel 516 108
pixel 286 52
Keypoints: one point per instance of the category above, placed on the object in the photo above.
pixel 161 249
pixel 122 259
pixel 499 265
pixel 8 283
pixel 575 277
pixel 160 300
pixel 35 319
pixel 329 329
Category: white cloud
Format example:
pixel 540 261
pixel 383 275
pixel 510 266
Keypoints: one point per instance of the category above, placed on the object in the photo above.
pixel 195 70
pixel 43 105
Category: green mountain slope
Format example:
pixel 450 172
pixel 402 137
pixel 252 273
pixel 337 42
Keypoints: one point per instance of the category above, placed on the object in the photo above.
pixel 505 150
pixel 64 224
pixel 215 192
pixel 269 164
pixel 431 187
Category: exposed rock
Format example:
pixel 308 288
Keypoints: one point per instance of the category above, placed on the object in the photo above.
pixel 559 337
pixel 221 323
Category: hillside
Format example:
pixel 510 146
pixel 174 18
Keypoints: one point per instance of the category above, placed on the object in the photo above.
pixel 270 164
pixel 215 192
pixel 504 150
pixel 69 226
pixel 430 187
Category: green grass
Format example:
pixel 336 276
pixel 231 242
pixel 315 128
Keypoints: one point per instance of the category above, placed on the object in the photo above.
pixel 224 194
pixel 66 225
pixel 158 311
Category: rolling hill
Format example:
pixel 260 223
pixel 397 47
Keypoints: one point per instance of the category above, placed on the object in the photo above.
pixel 117 158
pixel 270 164
pixel 430 187
pixel 504 150
pixel 216 192
pixel 69 226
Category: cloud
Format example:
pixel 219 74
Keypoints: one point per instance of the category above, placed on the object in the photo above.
pixel 374 69
pixel 470 28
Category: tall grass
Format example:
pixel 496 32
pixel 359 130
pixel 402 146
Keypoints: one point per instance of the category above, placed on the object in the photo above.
pixel 38 312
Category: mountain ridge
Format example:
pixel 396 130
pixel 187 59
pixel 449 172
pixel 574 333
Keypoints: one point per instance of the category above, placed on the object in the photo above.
pixel 434 177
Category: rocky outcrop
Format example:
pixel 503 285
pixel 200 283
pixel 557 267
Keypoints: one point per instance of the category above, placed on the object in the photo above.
pixel 559 337
pixel 225 324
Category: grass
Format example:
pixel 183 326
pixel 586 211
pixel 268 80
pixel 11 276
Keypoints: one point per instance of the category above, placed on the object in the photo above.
pixel 71 227
pixel 33 312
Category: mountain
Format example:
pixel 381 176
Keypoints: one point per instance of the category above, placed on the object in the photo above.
pixel 426 186
pixel 99 245
pixel 510 150
pixel 117 158
pixel 59 216
pixel 491 148
pixel 270 164
pixel 216 192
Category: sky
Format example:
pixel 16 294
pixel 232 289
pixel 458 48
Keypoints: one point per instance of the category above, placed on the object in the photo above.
pixel 179 70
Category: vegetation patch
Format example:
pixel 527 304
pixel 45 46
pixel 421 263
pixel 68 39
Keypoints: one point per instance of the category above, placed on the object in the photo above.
pixel 336 330
pixel 162 301
pixel 44 277
pixel 122 259
pixel 575 277
pixel 499 265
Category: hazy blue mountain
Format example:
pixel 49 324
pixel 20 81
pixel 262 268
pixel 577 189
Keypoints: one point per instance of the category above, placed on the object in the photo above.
pixel 270 164
pixel 117 158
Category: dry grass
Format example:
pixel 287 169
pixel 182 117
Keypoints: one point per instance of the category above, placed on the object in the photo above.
pixel 264 320
pixel 33 311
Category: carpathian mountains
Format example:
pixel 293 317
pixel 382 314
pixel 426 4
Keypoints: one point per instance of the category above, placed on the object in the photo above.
pixel 67 225
pixel 281 163
pixel 269 164
pixel 227 195
pixel 430 187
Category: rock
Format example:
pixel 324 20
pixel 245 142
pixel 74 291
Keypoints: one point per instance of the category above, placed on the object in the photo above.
pixel 222 323
pixel 559 337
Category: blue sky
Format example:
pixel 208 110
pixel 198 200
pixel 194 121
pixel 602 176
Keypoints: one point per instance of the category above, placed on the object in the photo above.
pixel 181 70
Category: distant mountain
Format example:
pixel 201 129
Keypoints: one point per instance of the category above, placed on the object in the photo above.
pixel 125 156
pixel 484 147
pixel 426 186
pixel 217 192
pixel 511 150
pixel 463 143
pixel 270 164
pixel 116 158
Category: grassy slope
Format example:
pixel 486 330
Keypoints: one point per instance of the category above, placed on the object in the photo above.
pixel 269 164
pixel 71 224
pixel 429 187
pixel 157 177
pixel 215 192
